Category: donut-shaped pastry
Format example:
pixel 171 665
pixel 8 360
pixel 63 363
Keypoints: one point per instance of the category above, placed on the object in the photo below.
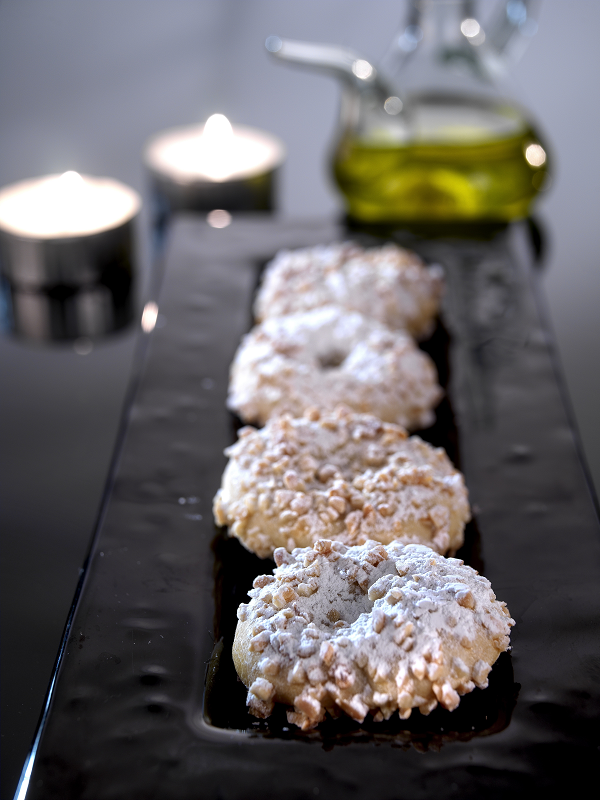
pixel 388 283
pixel 343 476
pixel 367 629
pixel 329 356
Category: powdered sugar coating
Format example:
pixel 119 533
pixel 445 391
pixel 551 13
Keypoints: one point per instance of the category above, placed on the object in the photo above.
pixel 329 356
pixel 367 629
pixel 343 476
pixel 389 284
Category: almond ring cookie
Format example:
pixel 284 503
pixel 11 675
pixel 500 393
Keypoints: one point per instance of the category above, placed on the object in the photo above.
pixel 343 476
pixel 367 629
pixel 388 283
pixel 329 356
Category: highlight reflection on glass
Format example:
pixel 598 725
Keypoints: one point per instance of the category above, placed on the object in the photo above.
pixel 473 31
pixel 410 38
pixel 362 69
pixel 393 105
pixel 516 11
pixel 535 155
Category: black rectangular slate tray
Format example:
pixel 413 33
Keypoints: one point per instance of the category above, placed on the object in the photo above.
pixel 145 702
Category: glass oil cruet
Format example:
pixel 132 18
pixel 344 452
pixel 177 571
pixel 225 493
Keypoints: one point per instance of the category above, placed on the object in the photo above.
pixel 428 136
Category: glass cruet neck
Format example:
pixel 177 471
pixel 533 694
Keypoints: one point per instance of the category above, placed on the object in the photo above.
pixel 440 20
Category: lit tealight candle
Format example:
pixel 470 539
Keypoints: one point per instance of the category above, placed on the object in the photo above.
pixel 213 166
pixel 65 206
pixel 66 245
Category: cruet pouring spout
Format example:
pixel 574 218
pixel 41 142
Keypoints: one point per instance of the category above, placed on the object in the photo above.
pixel 340 62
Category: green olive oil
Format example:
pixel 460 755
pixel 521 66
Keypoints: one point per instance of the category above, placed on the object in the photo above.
pixel 482 164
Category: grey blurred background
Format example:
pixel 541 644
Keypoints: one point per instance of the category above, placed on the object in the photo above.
pixel 83 84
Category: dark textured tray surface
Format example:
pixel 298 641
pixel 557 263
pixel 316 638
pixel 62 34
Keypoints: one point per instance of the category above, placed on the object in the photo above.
pixel 132 713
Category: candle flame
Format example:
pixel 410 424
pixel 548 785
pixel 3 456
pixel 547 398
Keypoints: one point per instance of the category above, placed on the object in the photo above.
pixel 218 147
pixel 71 179
pixel 217 128
pixel 71 199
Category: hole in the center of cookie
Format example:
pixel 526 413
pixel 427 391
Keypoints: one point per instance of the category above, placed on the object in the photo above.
pixel 331 359
pixel 348 601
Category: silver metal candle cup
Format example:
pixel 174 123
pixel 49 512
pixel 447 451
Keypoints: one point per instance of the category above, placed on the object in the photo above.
pixel 65 288
pixel 181 187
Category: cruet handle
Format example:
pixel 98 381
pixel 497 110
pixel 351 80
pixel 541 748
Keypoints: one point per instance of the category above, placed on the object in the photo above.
pixel 510 31
pixel 497 39
pixel 335 60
